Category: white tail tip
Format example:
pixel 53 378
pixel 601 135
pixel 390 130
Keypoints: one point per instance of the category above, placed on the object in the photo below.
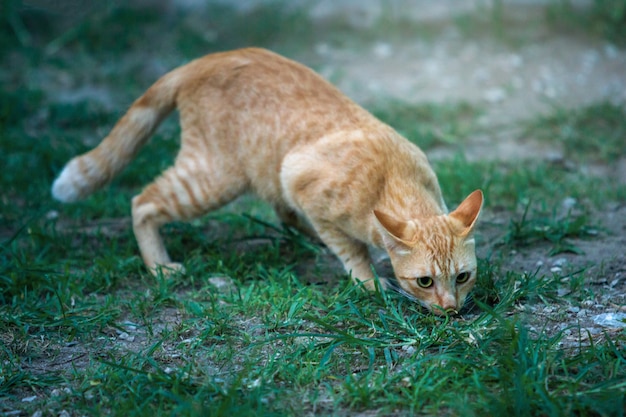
pixel 66 188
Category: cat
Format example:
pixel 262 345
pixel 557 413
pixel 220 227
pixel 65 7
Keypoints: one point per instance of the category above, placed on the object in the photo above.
pixel 254 121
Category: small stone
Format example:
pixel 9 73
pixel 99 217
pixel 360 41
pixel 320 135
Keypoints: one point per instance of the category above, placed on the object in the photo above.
pixel 125 336
pixel 256 383
pixel 130 326
pixel 29 399
pixel 409 349
pixel 573 309
pixel 562 291
pixel 614 320
pixel 223 283
pixel 560 262
pixel 556 269
pixel 569 203
pixel 594 330
pixel 539 263
pixel 58 392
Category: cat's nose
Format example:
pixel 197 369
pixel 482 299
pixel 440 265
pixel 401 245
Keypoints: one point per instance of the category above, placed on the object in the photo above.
pixel 446 305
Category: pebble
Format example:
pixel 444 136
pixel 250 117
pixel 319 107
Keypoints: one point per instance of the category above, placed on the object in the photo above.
pixel 57 392
pixel 562 291
pixel 560 262
pixel 29 399
pixel 569 203
pixel 594 330
pixel 409 349
pixel 223 283
pixel 613 320
pixel 125 336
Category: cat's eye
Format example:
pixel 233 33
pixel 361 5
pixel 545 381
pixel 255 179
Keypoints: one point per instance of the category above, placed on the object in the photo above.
pixel 462 277
pixel 425 282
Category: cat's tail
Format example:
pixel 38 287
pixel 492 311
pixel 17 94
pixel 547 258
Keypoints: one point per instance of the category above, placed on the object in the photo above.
pixel 87 173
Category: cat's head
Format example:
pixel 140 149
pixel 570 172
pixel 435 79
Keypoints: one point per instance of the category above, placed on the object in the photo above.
pixel 434 258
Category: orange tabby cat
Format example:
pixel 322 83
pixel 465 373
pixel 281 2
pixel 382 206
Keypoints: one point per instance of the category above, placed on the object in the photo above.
pixel 255 121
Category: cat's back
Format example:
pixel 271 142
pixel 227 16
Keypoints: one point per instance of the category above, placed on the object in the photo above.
pixel 258 82
pixel 249 67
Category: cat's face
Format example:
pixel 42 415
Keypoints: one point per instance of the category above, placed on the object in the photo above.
pixel 434 258
pixel 439 270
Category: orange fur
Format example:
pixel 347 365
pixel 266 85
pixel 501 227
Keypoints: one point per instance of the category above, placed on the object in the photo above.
pixel 253 121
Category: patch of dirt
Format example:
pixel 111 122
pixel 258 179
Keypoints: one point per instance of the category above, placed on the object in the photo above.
pixel 600 263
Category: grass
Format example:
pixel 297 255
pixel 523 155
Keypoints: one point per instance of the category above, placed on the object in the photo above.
pixel 554 229
pixel 595 132
pixel 605 18
pixel 262 323
pixel 428 125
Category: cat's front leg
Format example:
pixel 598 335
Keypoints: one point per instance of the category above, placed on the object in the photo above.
pixel 351 252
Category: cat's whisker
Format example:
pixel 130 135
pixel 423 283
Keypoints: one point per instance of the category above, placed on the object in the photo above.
pixel 392 285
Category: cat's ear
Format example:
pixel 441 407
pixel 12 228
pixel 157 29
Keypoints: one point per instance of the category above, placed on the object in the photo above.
pixel 401 231
pixel 467 212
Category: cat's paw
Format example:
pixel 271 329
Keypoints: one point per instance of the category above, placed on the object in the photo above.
pixel 169 269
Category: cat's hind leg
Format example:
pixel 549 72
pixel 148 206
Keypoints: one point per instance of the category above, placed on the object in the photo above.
pixel 192 187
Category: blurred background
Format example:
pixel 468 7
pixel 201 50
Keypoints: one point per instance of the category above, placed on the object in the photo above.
pixel 465 78
pixel 513 58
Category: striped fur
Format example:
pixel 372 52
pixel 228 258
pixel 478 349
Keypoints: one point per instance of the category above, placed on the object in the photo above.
pixel 253 121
